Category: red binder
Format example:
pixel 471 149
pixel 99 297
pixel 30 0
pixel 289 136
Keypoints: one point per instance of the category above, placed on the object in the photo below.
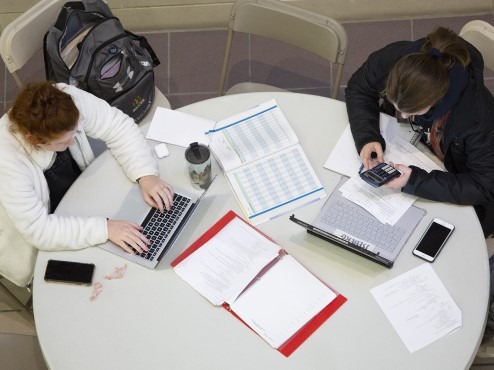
pixel 306 331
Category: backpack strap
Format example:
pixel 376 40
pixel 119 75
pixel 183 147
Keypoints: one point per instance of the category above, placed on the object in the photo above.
pixel 62 16
pixel 143 42
pixel 48 67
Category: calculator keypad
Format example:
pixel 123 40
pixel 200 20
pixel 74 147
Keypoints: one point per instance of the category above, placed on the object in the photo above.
pixel 380 174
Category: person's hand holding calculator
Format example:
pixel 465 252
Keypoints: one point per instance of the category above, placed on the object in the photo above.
pixel 379 174
pixel 388 175
pixel 401 181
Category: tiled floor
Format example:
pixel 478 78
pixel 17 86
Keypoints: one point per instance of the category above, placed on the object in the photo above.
pixel 19 347
pixel 189 72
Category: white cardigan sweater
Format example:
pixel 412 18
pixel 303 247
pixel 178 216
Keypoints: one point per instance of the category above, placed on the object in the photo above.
pixel 25 222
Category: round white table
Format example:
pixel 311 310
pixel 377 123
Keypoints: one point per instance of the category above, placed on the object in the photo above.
pixel 151 319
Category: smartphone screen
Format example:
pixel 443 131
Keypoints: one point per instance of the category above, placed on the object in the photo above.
pixel 433 240
pixel 69 272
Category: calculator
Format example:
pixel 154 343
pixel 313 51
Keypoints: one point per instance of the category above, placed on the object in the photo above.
pixel 380 174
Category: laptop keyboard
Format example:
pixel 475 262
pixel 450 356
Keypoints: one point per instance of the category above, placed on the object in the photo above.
pixel 157 225
pixel 351 219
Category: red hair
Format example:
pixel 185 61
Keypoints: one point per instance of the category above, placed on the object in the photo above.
pixel 41 113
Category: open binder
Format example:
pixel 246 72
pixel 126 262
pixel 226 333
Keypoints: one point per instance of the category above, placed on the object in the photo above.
pixel 295 302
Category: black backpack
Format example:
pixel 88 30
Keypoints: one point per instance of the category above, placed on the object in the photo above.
pixel 89 48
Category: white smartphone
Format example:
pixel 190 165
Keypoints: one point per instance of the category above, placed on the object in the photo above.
pixel 433 239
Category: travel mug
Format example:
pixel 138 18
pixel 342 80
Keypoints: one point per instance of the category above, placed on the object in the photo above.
pixel 198 159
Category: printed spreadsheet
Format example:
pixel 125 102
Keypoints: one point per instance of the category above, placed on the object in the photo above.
pixel 275 182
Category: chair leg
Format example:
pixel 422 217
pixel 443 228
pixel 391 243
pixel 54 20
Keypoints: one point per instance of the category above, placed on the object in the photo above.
pixel 17 80
pixel 337 81
pixel 226 60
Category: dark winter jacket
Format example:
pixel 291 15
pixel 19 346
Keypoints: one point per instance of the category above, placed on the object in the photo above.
pixel 468 134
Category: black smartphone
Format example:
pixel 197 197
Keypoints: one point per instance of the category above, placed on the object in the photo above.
pixel 433 240
pixel 69 272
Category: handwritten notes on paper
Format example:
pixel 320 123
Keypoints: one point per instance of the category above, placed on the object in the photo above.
pixel 418 306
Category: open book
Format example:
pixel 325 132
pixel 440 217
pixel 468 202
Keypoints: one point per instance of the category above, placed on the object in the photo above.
pixel 238 267
pixel 264 163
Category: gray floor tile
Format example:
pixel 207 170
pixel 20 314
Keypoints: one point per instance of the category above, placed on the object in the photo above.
pixel 196 61
pixel 178 101
pixel 286 66
pixel 20 352
pixel 364 38
pixel 159 43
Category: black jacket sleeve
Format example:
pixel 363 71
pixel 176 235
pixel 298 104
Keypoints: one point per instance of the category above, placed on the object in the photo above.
pixel 469 150
pixel 364 91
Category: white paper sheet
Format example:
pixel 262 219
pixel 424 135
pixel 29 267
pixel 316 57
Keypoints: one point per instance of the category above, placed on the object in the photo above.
pixel 282 301
pixel 418 306
pixel 387 205
pixel 270 188
pixel 266 168
pixel 268 290
pixel 344 158
pixel 220 272
pixel 178 128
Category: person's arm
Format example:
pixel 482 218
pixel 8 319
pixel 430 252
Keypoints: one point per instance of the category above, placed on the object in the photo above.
pixel 473 187
pixel 24 199
pixel 119 131
pixel 362 97
pixel 127 144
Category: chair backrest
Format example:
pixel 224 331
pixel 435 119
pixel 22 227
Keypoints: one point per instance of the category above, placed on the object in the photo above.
pixel 277 20
pixel 481 35
pixel 23 37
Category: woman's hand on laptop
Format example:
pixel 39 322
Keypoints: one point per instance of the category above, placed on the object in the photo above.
pixel 156 192
pixel 127 235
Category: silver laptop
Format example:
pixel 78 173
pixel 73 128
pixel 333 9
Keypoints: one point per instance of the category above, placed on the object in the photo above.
pixel 162 229
pixel 350 226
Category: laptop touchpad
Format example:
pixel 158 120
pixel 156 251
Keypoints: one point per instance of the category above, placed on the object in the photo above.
pixel 133 208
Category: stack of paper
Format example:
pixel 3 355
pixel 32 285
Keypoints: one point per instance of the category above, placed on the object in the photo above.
pixel 387 205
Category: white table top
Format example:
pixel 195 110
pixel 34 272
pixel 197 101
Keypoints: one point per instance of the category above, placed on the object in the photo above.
pixel 154 310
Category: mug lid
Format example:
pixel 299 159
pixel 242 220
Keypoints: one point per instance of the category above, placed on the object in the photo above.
pixel 197 153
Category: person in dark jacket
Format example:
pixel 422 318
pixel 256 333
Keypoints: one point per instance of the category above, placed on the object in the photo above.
pixel 437 84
